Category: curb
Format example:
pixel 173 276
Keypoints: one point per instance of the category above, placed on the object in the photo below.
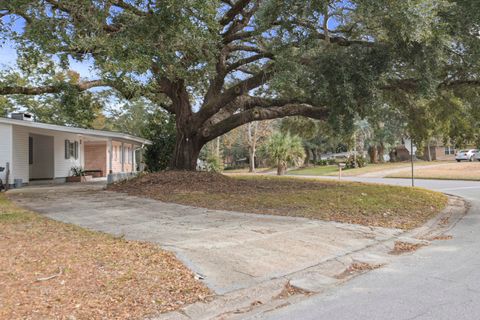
pixel 326 275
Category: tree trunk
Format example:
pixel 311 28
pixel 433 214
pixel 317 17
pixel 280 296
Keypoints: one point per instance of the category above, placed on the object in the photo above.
pixel 372 152
pixel 186 154
pixel 252 152
pixel 429 151
pixel 217 151
pixel 381 151
pixel 307 157
pixel 188 142
pixel 281 168
pixel 252 128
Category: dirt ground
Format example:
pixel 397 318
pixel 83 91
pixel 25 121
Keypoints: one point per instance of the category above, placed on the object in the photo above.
pixel 53 270
pixel 366 204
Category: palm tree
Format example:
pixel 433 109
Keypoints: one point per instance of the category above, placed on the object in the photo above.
pixel 284 149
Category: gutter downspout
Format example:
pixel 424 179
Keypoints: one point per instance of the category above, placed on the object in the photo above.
pixel 141 158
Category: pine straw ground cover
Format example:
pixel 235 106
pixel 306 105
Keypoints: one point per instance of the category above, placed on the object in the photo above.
pixel 51 270
pixel 367 204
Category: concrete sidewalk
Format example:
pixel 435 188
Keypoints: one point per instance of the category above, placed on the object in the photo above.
pixel 229 250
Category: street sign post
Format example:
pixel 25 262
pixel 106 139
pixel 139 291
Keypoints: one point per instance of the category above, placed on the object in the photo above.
pixel 340 167
pixel 412 152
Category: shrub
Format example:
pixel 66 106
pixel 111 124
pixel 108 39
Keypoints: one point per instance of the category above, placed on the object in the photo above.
pixel 77 171
pixel 161 131
pixel 283 149
pixel 322 162
pixel 213 164
pixel 350 163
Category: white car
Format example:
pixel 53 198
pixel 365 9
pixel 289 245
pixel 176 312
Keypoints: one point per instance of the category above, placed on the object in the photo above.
pixel 466 155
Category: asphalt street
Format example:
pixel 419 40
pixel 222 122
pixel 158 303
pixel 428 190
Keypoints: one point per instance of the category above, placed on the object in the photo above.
pixel 441 281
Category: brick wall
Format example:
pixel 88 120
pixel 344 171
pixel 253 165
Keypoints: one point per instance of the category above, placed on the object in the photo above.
pixel 96 156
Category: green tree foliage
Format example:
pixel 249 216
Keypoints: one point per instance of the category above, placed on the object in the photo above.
pixel 318 136
pixel 160 129
pixel 284 149
pixel 69 106
pixel 222 64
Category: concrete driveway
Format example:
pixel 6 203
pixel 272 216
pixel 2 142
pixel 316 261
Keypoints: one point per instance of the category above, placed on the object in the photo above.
pixel 230 250
pixel 438 282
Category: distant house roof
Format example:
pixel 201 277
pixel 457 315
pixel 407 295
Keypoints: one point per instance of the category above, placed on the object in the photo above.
pixel 75 130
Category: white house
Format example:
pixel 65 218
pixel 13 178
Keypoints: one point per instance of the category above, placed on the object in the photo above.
pixel 39 151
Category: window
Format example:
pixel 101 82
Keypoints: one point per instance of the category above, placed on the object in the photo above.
pixel 75 150
pixel 449 151
pixel 129 155
pixel 30 150
pixel 115 153
pixel 71 149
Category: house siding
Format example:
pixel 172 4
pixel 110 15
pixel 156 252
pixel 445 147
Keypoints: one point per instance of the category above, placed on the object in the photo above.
pixel 438 153
pixel 6 146
pixel 20 169
pixel 62 165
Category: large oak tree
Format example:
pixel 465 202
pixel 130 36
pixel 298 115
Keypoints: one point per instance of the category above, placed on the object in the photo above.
pixel 219 64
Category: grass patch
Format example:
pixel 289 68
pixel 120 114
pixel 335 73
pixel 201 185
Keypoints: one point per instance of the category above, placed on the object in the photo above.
pixel 367 204
pixel 370 168
pixel 316 171
pixel 52 270
pixel 246 170
pixel 453 171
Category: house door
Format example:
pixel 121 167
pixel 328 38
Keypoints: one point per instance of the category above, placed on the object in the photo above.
pixel 40 157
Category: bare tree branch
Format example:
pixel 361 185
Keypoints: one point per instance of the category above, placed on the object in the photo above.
pixel 128 7
pixel 237 64
pixel 234 11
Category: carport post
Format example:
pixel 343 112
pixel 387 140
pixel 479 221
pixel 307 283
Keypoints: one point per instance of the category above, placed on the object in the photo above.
pixel 110 156
pixel 134 160
pixel 123 157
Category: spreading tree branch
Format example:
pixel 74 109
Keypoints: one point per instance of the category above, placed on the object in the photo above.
pixel 212 106
pixel 259 113
pixel 81 86
pixel 235 9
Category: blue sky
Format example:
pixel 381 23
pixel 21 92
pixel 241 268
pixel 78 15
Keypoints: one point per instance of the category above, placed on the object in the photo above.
pixel 8 55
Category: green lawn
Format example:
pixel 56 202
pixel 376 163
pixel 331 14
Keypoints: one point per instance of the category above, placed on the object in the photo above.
pixel 333 170
pixel 315 171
